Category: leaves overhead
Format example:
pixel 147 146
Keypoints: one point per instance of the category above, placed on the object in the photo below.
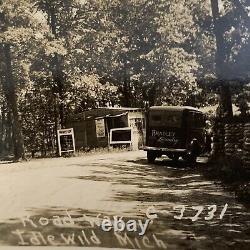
pixel 117 52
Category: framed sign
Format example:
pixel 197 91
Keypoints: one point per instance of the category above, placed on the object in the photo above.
pixel 121 136
pixel 66 140
pixel 100 128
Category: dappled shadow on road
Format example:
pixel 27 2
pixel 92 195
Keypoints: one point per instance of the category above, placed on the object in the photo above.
pixel 64 226
pixel 138 173
pixel 137 186
pixel 166 184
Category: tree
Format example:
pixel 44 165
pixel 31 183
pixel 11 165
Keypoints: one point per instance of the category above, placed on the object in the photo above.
pixel 20 35
pixel 133 45
pixel 231 30
pixel 220 62
pixel 52 8
pixel 9 87
pixel 68 56
pixel 39 98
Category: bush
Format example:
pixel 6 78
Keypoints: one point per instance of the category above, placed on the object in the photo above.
pixel 243 192
pixel 228 169
pixel 231 171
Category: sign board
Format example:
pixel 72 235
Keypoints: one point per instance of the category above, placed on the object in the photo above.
pixel 66 140
pixel 100 128
pixel 121 136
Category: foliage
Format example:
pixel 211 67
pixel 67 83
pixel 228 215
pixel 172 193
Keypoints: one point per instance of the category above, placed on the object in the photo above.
pixel 71 55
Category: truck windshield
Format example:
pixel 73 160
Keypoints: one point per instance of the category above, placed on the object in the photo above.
pixel 165 118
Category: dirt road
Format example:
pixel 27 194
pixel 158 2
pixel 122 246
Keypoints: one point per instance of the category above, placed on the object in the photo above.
pixel 64 201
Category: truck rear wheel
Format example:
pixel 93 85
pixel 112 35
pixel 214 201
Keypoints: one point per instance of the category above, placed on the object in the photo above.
pixel 151 156
pixel 173 156
pixel 190 157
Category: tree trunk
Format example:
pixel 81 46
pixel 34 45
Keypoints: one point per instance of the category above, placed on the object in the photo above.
pixel 7 136
pixel 225 108
pixel 225 104
pixel 56 64
pixel 2 130
pixel 127 98
pixel 9 88
pixel 8 128
pixel 152 96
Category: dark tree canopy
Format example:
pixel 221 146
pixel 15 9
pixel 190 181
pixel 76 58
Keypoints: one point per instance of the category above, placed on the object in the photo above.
pixel 61 57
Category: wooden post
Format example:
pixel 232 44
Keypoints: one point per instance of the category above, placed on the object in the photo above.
pixel 107 130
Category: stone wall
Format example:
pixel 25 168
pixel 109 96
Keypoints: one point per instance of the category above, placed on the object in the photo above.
pixel 246 146
pixel 232 140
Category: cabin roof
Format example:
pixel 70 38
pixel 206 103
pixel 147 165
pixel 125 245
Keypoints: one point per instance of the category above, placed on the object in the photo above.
pixel 117 108
pixel 103 112
pixel 174 108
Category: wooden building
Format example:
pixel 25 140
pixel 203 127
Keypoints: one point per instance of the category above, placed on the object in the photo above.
pixel 92 127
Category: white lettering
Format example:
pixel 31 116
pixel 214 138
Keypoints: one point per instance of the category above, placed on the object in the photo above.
pixel 69 239
pixel 68 220
pixel 56 220
pixel 106 225
pixel 143 227
pixel 159 243
pixel 151 213
pixel 131 226
pixel 51 240
pixel 27 219
pixel 20 236
pixel 95 240
pixel 146 242
pixel 37 239
pixel 119 224
pixel 43 221
pixel 124 240
pixel 85 237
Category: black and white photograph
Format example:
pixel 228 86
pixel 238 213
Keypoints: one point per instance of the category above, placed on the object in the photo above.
pixel 125 124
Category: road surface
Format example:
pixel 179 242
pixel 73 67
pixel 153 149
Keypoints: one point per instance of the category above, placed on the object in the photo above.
pixel 65 201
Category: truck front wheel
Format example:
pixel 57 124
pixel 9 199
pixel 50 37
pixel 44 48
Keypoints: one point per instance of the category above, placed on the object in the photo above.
pixel 190 157
pixel 151 156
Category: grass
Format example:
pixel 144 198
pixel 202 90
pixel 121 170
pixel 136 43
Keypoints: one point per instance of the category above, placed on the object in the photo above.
pixel 78 153
pixel 88 151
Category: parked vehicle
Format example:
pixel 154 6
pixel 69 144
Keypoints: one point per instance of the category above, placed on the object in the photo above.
pixel 176 132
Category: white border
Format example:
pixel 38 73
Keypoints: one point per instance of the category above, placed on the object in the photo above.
pixel 120 142
pixel 59 142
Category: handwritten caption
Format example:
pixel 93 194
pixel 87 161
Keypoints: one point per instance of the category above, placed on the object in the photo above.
pixel 83 230
pixel 210 211
pixel 87 231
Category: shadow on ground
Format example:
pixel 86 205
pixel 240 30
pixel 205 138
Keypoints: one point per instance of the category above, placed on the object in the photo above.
pixel 166 184
pixel 160 186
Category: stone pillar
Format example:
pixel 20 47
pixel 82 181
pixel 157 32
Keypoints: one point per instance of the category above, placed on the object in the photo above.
pixel 230 139
pixel 246 147
pixel 239 138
